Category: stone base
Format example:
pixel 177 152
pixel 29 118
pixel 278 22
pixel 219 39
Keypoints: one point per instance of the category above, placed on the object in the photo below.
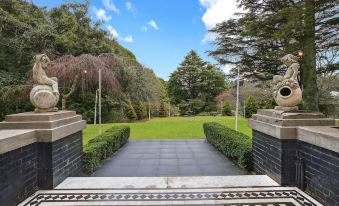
pixel 286 109
pixel 38 151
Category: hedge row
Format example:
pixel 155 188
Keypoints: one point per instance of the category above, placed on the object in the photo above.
pixel 103 146
pixel 234 145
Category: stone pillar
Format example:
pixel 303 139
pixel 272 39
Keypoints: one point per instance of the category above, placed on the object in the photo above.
pixel 38 151
pixel 275 141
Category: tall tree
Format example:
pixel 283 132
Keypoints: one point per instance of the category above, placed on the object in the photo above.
pixel 195 83
pixel 270 29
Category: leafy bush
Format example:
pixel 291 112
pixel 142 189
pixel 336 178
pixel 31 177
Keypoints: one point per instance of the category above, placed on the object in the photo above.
pixel 251 107
pixel 140 110
pixel 234 145
pixel 226 109
pixel 103 146
pixel 130 112
pixel 162 111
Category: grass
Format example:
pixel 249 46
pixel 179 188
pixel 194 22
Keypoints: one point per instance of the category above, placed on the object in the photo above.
pixel 169 128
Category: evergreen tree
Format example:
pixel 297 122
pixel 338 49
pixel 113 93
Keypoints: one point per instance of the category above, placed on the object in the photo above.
pixel 195 81
pixel 226 109
pixel 270 29
pixel 162 111
pixel 130 112
pixel 251 107
pixel 140 110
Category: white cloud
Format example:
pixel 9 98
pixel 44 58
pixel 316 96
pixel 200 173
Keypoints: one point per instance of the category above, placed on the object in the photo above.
pixel 218 11
pixel 113 32
pixel 128 5
pixel 209 37
pixel 110 6
pixel 144 28
pixel 131 8
pixel 227 68
pixel 153 24
pixel 128 39
pixel 100 14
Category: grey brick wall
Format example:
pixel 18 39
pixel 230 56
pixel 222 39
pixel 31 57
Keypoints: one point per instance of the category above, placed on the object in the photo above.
pixel 274 157
pixel 277 159
pixel 38 166
pixel 321 172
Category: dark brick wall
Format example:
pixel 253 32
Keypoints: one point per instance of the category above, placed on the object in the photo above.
pixel 38 166
pixel 277 159
pixel 274 157
pixel 321 172
pixel 18 174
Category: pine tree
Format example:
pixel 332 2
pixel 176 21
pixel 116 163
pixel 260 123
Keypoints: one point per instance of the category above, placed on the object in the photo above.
pixel 140 110
pixel 162 111
pixel 251 107
pixel 130 112
pixel 270 29
pixel 226 109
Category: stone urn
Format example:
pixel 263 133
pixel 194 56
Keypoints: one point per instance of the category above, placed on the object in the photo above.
pixel 288 97
pixel 43 98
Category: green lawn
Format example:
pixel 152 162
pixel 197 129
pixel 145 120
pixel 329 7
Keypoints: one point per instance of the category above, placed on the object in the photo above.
pixel 169 128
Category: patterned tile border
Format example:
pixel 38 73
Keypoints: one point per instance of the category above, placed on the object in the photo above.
pixel 277 196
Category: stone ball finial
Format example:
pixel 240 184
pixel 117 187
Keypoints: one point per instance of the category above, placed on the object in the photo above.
pixel 287 93
pixel 45 93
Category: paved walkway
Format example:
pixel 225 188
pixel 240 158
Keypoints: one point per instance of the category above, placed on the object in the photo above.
pixel 156 158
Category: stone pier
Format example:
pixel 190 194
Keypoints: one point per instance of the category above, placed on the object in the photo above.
pixel 298 149
pixel 38 151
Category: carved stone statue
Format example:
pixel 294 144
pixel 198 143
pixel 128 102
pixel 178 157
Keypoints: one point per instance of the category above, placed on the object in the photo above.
pixel 45 93
pixel 287 93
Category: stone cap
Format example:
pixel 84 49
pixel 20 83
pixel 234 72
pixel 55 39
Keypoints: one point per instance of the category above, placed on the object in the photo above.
pixel 325 137
pixel 283 125
pixel 22 129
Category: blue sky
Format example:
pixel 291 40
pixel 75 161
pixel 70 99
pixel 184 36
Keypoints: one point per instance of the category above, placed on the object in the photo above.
pixel 159 32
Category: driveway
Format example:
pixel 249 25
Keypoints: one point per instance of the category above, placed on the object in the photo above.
pixel 155 158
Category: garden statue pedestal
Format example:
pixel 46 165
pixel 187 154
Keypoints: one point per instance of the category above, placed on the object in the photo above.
pixel 38 151
pixel 297 149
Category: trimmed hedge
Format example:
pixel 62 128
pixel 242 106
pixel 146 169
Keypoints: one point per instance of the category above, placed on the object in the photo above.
pixel 234 145
pixel 103 146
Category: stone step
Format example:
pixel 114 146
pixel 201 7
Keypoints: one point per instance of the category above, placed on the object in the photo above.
pixel 167 182
pixel 290 115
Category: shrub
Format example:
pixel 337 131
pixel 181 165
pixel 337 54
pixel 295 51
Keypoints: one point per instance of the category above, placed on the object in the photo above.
pixel 103 146
pixel 234 145
pixel 226 109
pixel 140 110
pixel 162 111
pixel 130 112
pixel 251 107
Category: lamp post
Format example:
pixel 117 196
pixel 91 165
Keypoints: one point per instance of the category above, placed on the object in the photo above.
pixel 99 100
pixel 237 104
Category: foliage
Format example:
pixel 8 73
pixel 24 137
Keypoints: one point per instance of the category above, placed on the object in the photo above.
pixel 162 111
pixel 251 107
pixel 75 44
pixel 195 82
pixel 233 144
pixel 170 128
pixel 140 110
pixel 226 109
pixel 270 29
pixel 130 112
pixel 104 146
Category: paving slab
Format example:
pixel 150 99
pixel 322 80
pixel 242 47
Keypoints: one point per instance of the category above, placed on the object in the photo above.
pixel 157 158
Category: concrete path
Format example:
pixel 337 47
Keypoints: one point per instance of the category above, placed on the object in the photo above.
pixel 156 158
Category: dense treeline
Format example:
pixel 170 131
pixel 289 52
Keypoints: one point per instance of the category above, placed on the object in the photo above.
pixel 74 43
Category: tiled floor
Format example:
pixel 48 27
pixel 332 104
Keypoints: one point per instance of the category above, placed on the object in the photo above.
pixel 154 158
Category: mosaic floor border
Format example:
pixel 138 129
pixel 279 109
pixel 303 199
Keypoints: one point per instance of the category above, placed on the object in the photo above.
pixel 271 196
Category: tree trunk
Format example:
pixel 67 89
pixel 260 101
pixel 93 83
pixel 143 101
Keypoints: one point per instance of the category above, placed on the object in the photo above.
pixel 309 76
